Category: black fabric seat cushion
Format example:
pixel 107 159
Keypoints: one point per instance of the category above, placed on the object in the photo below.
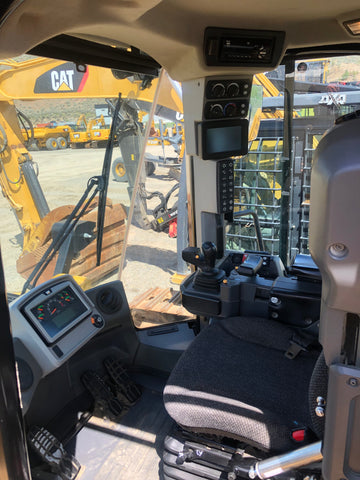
pixel 234 380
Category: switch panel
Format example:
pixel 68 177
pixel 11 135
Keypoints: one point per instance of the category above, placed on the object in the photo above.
pixel 225 185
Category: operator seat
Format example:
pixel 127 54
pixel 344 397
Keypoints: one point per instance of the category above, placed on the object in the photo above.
pixel 235 381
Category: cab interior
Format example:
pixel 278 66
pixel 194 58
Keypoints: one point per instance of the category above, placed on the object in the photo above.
pixel 262 380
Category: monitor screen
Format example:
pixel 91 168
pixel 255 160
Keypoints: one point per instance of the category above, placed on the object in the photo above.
pixel 224 138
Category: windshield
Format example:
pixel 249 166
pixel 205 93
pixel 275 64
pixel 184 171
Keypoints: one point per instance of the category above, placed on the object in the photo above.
pixel 71 140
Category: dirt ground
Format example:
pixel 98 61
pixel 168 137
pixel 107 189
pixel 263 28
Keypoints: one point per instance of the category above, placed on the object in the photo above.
pixel 63 174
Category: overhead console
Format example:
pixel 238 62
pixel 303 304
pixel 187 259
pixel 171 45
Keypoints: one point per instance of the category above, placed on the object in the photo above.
pixel 49 324
pixel 242 48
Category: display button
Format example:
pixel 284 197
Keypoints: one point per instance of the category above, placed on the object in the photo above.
pixel 58 352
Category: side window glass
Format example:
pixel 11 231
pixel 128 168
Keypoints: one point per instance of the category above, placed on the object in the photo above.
pixel 273 183
pixel 258 174
pixel 152 268
pixel 324 89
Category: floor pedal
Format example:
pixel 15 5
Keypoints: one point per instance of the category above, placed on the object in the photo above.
pixel 125 388
pixel 53 453
pixel 105 399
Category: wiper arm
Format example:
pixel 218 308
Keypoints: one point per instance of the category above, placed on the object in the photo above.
pixel 105 179
pixel 94 186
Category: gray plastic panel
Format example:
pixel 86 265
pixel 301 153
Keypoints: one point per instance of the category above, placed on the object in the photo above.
pixel 23 354
pixel 335 230
pixel 175 336
pixel 342 428
pixel 334 245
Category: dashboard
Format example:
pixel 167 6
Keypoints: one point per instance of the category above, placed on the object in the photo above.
pixel 49 324
pixel 56 310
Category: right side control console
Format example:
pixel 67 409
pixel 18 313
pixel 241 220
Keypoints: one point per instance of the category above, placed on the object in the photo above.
pixel 250 284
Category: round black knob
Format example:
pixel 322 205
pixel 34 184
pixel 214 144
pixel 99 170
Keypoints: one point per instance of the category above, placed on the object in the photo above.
pixel 216 110
pixel 233 89
pixel 218 90
pixel 97 321
pixel 230 110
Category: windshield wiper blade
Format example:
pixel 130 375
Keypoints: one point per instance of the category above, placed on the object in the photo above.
pixel 105 177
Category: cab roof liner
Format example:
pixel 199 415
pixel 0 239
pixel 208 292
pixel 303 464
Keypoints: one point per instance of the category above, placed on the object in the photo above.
pixel 172 32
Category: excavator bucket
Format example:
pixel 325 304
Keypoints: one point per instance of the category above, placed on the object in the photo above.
pixel 77 255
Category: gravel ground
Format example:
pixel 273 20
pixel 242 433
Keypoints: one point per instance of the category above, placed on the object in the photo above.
pixel 63 174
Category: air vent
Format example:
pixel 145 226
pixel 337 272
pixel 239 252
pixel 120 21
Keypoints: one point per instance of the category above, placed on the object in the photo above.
pixel 109 300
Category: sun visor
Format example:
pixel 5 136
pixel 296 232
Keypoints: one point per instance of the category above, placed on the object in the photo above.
pixel 123 60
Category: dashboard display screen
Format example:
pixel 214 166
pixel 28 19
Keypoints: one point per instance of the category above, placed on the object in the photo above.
pixel 56 313
pixel 224 138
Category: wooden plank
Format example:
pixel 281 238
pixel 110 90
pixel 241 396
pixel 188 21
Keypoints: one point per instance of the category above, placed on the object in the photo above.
pixel 158 306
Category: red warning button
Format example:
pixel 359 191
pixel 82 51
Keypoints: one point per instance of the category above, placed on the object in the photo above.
pixel 298 435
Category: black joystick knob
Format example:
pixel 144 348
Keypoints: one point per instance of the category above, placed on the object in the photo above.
pixel 205 260
pixel 209 253
pixel 192 255
pixel 208 277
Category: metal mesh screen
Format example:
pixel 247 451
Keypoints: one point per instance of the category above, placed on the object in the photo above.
pixel 305 193
pixel 257 187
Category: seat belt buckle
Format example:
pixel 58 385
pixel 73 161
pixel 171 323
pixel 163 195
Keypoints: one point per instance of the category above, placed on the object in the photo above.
pixel 295 348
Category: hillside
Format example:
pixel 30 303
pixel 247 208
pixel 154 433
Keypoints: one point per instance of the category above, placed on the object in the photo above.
pixel 344 69
pixel 65 110
pixel 68 110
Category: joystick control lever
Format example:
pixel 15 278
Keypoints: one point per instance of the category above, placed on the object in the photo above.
pixel 208 277
pixel 209 252
pixel 205 260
